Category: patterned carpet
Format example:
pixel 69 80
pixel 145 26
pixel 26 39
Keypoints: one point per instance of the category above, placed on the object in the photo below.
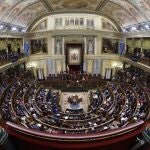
pixel 82 105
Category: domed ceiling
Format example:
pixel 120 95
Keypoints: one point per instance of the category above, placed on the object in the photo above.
pixel 124 12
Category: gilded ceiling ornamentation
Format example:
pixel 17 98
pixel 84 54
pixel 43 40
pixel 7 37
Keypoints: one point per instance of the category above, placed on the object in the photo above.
pixel 5 6
pixel 124 12
pixel 119 14
pixel 131 9
pixel 17 9
pixel 30 13
pixel 73 5
pixel 143 6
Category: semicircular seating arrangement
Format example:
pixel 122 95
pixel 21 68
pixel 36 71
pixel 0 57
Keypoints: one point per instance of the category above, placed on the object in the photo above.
pixel 29 104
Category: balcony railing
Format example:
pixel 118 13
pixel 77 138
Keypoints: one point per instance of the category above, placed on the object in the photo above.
pixel 138 58
pixel 9 58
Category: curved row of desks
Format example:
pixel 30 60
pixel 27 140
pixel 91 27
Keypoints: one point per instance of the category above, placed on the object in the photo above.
pixel 116 108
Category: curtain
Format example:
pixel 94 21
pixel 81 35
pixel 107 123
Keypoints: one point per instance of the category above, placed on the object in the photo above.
pixel 49 66
pixel 84 66
pixel 96 66
pixel 40 74
pixel 90 66
pixel 58 66
pixel 108 73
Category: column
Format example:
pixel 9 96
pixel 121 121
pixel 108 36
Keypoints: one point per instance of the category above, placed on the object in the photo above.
pixel 50 44
pixel 85 46
pixel 64 65
pixel 94 67
pixel 141 44
pixel 95 46
pixel 53 47
pixel 53 66
pixel 99 45
pixel 63 46
pixel 49 66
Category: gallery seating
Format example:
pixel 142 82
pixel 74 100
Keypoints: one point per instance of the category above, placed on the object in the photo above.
pixel 7 57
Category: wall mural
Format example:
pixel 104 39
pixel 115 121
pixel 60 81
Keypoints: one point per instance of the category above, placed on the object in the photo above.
pixel 77 4
pixel 38 46
pixel 5 6
pixel 30 14
pixel 74 56
pixel 119 14
pixel 110 45
pixel 143 6
pixel 131 9
pixel 16 10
